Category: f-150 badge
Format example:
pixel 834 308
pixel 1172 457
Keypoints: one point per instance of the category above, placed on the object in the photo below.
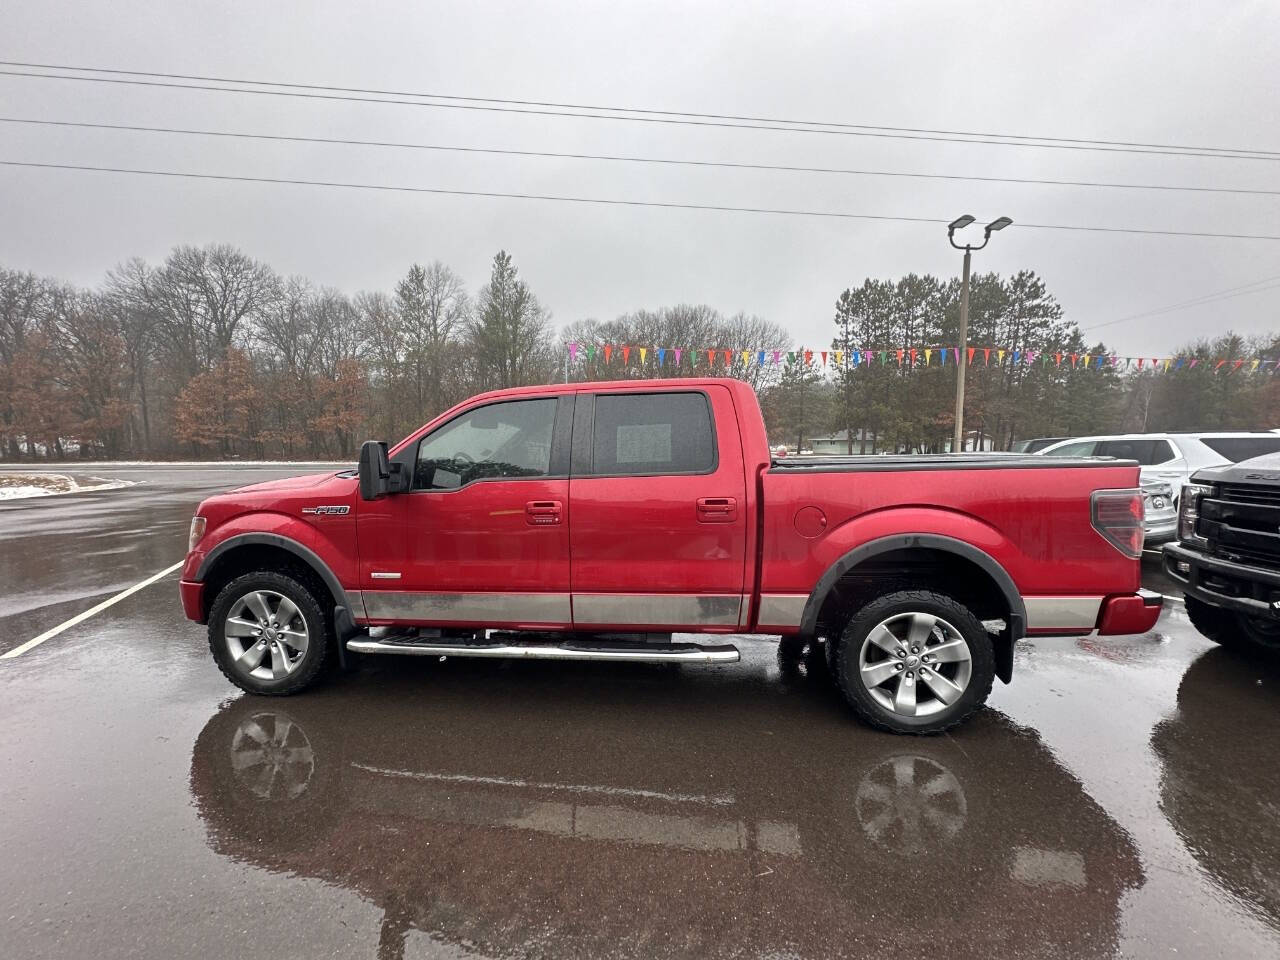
pixel 336 510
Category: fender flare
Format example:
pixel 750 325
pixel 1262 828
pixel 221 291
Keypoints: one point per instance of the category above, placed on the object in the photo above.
pixel 1016 626
pixel 305 554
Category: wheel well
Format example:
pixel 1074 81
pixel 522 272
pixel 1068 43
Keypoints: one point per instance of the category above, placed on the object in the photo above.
pixel 260 556
pixel 911 568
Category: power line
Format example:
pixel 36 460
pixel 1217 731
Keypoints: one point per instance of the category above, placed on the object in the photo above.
pixel 1228 294
pixel 671 205
pixel 777 127
pixel 737 118
pixel 631 159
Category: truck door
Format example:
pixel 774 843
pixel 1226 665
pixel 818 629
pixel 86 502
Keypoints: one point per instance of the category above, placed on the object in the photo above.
pixel 483 536
pixel 658 527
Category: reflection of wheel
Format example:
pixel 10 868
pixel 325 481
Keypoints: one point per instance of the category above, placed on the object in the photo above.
pixel 271 757
pixel 260 780
pixel 1233 630
pixel 909 804
pixel 268 633
pixel 914 662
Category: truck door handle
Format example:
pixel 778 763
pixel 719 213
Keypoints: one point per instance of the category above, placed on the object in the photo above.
pixel 717 509
pixel 541 513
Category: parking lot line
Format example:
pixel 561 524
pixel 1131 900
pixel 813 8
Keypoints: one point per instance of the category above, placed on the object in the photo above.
pixel 82 617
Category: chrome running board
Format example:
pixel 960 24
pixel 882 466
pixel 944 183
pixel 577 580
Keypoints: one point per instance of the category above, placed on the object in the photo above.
pixel 681 653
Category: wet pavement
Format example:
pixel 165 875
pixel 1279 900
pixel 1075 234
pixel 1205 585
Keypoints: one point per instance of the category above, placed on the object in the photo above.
pixel 1120 798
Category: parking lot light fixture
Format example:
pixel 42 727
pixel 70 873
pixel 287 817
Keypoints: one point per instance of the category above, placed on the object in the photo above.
pixel 957 436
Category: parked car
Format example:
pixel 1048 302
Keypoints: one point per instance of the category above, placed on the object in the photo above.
pixel 592 521
pixel 1227 558
pixel 1160 517
pixel 1036 445
pixel 1170 456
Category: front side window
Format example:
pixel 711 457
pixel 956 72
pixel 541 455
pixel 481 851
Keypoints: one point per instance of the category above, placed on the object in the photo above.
pixel 653 433
pixel 1081 448
pixel 511 439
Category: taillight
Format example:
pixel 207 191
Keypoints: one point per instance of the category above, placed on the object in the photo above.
pixel 1118 516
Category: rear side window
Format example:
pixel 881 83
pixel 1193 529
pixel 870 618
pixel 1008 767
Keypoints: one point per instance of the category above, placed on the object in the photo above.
pixel 653 433
pixel 1236 449
pixel 1147 452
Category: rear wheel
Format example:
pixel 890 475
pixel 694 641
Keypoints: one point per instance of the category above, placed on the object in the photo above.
pixel 268 633
pixel 914 661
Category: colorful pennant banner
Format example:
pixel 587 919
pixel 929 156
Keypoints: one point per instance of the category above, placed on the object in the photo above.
pixel 907 358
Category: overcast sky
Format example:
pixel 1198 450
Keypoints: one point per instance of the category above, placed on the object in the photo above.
pixel 1184 73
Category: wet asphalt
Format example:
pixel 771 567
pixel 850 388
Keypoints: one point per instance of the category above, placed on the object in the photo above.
pixel 1120 798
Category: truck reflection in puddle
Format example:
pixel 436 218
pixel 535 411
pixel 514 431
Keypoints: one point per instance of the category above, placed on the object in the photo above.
pixel 506 811
pixel 1221 787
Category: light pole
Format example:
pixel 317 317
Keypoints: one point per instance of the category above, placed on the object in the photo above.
pixel 957 438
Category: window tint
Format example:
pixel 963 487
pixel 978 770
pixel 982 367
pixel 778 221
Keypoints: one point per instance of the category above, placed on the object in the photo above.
pixel 1146 451
pixel 653 433
pixel 1236 449
pixel 1081 448
pixel 499 440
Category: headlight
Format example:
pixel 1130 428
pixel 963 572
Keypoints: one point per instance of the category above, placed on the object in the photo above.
pixel 1189 512
pixel 197 531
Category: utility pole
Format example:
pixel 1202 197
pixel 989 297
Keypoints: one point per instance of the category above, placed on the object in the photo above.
pixel 957 437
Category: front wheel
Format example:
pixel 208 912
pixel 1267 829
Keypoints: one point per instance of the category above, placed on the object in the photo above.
pixel 268 633
pixel 915 661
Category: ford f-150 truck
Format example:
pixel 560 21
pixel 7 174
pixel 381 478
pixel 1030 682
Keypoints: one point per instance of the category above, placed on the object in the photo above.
pixel 593 521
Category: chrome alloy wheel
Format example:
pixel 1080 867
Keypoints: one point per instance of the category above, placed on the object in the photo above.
pixel 915 664
pixel 266 635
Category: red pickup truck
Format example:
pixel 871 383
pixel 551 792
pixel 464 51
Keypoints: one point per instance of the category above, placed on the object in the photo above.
pixel 592 521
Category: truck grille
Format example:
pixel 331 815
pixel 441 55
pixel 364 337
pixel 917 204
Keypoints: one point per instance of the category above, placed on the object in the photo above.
pixel 1241 522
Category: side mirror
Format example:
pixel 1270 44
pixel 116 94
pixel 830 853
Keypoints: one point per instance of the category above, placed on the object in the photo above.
pixel 375 474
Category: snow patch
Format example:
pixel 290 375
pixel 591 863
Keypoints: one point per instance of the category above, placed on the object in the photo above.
pixel 21 486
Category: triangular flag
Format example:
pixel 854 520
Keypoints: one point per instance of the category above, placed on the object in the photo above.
pixel 956 354
pixel 777 355
pixel 728 358
pixel 986 356
pixel 591 352
pixel 1236 365
pixel 999 357
pixel 857 358
pixel 824 358
pixel 573 351
pixel 791 356
pixel 746 357
pixel 884 353
pixel 626 355
pixel 971 349
pixel 840 358
pixel 913 356
pixel 662 355
pixel 644 352
pixel 1167 360
pixel 1178 364
pixel 711 357
pixel 1057 359
pixel 677 351
pixel 928 354
pixel 1194 361
pixel 899 358
pixel 760 357
pixel 1218 365
pixel 942 357
pixel 808 356
pixel 608 353
pixel 1254 366
pixel 1140 363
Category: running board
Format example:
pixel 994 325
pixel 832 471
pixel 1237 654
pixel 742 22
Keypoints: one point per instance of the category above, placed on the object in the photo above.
pixel 683 653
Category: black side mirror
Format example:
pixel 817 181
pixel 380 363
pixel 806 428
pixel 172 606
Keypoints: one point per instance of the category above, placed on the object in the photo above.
pixel 375 474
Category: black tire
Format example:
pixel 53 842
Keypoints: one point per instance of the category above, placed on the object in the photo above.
pixel 1213 623
pixel 868 708
pixel 307 668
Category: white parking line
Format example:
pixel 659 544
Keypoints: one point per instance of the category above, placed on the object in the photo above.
pixel 82 617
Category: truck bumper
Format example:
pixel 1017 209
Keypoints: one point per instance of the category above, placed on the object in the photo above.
pixel 192 594
pixel 1132 613
pixel 1253 591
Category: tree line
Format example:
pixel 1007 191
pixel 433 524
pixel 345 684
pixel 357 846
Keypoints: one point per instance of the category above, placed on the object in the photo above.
pixel 212 354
